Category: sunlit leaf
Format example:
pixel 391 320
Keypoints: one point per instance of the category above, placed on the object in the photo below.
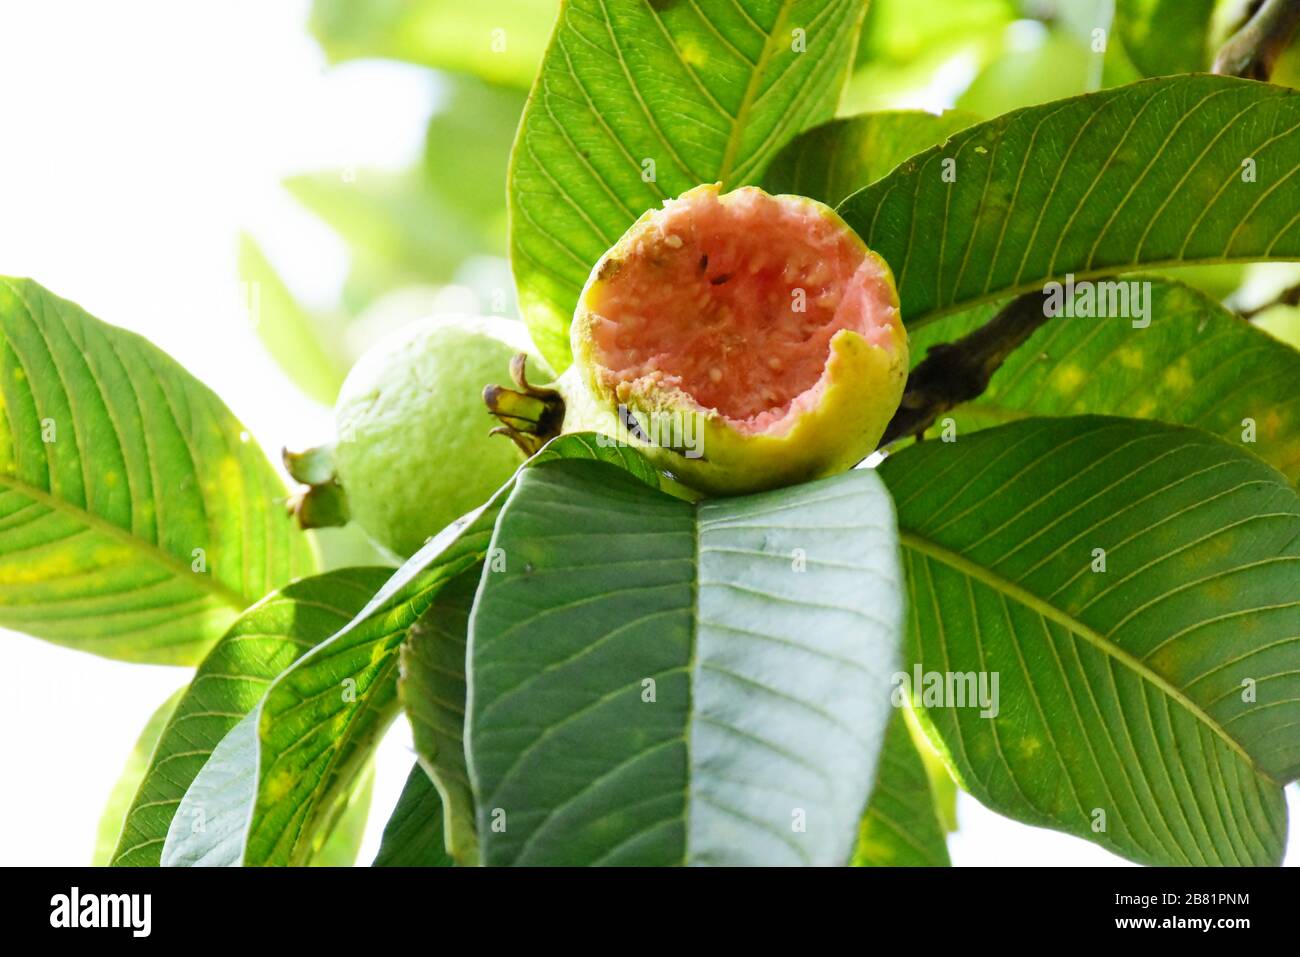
pixel 840 157
pixel 1159 172
pixel 500 41
pixel 637 103
pixel 266 792
pixel 229 682
pixel 137 517
pixel 1131 587
pixel 300 342
pixel 119 800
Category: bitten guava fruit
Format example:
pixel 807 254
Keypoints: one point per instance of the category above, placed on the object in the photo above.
pixel 414 450
pixel 745 341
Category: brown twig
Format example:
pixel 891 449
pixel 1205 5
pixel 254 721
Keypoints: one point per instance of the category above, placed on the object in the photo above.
pixel 1287 297
pixel 955 372
pixel 1252 51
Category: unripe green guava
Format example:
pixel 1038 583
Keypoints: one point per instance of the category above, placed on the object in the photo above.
pixel 414 451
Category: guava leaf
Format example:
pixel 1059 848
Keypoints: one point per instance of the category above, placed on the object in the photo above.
pixel 637 103
pixel 906 43
pixel 413 836
pixel 1140 175
pixel 137 764
pixel 1165 36
pixel 265 794
pixel 432 691
pixel 901 826
pixel 831 161
pixel 1196 364
pixel 445 34
pixel 396 226
pixel 732 715
pixel 137 518
pixel 208 827
pixel 298 340
pixel 467 154
pixel 341 840
pixel 229 682
pixel 1030 68
pixel 1146 707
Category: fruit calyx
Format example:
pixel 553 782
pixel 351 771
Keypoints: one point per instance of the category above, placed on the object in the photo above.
pixel 530 415
pixel 322 503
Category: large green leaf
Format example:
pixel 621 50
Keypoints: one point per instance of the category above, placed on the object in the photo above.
pixel 137 765
pixel 1132 585
pixel 447 34
pixel 413 836
pixel 1196 364
pixel 838 158
pixel 1138 175
pixel 1165 36
pixel 432 691
pixel 702 95
pixel 267 792
pixel 137 517
pixel 659 682
pixel 901 826
pixel 265 640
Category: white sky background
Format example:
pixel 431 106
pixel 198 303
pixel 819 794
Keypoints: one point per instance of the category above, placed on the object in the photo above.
pixel 139 138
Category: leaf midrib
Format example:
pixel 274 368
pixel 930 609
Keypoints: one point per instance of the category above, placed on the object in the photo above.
pixel 981 573
pixel 726 169
pixel 205 583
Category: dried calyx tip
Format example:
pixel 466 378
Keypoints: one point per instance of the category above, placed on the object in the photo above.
pixel 530 415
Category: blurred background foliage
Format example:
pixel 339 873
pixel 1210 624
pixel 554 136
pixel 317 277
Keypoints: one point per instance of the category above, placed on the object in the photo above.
pixel 431 238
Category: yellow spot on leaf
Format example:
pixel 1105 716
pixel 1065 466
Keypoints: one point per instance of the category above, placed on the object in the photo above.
pixel 694 54
pixel 1270 426
pixel 1130 358
pixel 277 787
pixel 1178 377
pixel 1068 378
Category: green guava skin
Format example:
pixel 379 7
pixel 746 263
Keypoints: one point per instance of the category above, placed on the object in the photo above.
pixel 414 451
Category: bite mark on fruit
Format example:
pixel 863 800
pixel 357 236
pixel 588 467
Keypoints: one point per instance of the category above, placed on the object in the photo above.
pixel 734 300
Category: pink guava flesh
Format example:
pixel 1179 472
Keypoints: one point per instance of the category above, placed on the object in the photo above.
pixel 734 300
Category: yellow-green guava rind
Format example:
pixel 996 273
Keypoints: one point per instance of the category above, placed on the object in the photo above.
pixel 862 391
